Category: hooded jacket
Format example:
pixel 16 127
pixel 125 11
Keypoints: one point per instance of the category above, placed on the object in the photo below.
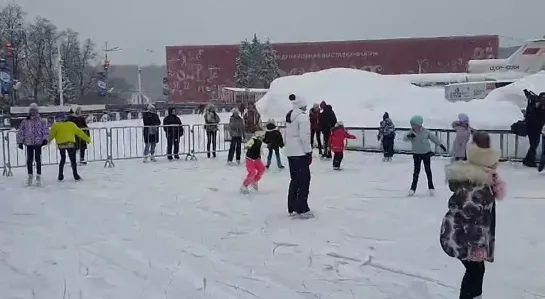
pixel 236 125
pixel 386 126
pixel 173 125
pixel 211 118
pixel 273 137
pixel 151 127
pixel 297 141
pixel 338 139
pixel 33 130
pixel 463 132
pixel 328 120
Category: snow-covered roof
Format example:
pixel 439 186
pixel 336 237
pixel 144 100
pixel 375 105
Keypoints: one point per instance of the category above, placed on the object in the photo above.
pixel 52 109
pixel 254 90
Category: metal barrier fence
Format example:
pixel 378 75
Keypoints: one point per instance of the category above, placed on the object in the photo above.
pixel 123 143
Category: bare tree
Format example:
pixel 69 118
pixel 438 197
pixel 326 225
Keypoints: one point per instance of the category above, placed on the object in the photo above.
pixel 12 30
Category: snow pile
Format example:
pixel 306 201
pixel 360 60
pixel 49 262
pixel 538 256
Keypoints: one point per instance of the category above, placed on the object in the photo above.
pixel 360 98
pixel 513 93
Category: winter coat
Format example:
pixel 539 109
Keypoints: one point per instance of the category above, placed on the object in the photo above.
pixel 463 132
pixel 33 131
pixel 297 133
pixel 338 139
pixel 420 144
pixel 468 230
pixel 386 128
pixel 314 115
pixel 211 120
pixel 535 113
pixel 328 120
pixel 65 133
pixel 236 126
pixel 82 124
pixel 151 127
pixel 252 121
pixel 273 137
pixel 173 126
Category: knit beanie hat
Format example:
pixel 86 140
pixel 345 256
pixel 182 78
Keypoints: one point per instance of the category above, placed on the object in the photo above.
pixel 416 120
pixel 479 151
pixel 463 117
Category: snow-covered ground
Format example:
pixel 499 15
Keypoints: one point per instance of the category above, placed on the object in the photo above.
pixel 360 98
pixel 182 230
pixel 513 92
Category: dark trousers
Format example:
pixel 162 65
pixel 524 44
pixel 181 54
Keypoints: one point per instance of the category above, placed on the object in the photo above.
pixel 337 159
pixel 81 147
pixel 327 149
pixel 211 137
pixel 73 163
pixel 388 145
pixel 418 159
pixel 317 134
pixel 472 283
pixel 235 147
pixel 542 159
pixel 34 153
pixel 277 155
pixel 299 184
pixel 530 159
pixel 173 147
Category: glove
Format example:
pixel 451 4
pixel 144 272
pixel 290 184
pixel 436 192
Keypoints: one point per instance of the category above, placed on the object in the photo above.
pixel 411 135
pixel 20 146
pixel 309 157
pixel 378 137
pixel 443 148
pixel 44 143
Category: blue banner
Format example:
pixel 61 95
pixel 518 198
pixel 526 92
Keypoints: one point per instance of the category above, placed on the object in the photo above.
pixel 6 82
pixel 102 84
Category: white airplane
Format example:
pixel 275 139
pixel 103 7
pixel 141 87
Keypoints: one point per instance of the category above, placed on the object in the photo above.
pixel 528 59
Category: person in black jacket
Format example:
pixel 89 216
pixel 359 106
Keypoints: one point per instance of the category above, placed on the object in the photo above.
pixel 535 120
pixel 273 139
pixel 77 118
pixel 173 130
pixel 327 122
pixel 151 132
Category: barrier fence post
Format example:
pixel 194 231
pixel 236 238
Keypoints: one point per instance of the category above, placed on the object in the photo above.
pixel 109 149
pixel 191 153
pixel 7 155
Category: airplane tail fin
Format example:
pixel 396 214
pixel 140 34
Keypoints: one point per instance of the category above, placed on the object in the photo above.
pixel 529 58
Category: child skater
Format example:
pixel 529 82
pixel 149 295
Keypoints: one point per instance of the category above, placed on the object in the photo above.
pixel 337 143
pixel 254 165
pixel 468 230
pixel 273 139
pixel 387 133
pixel 463 132
pixel 420 143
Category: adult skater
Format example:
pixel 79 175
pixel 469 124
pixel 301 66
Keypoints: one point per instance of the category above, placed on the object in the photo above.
pixel 314 115
pixel 236 131
pixel 468 228
pixel 172 125
pixel 65 132
pixel 33 133
pixel 151 123
pixel 211 121
pixel 80 121
pixel 420 143
pixel 387 134
pixel 299 154
pixel 328 120
pixel 463 132
pixel 535 119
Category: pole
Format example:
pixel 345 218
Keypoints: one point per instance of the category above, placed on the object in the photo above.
pixel 140 98
pixel 61 91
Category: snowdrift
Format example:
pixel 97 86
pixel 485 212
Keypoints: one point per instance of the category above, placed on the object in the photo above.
pixel 513 93
pixel 360 98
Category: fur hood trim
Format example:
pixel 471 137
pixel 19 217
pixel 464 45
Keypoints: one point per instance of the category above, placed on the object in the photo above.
pixel 484 157
pixel 461 172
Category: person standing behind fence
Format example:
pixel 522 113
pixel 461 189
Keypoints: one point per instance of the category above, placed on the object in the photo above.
pixel 151 123
pixel 463 132
pixel 64 132
pixel 33 133
pixel 534 118
pixel 387 134
pixel 211 121
pixel 174 131
pixel 81 122
pixel 314 116
pixel 328 120
pixel 236 132
pixel 252 120
pixel 420 144
pixel 274 141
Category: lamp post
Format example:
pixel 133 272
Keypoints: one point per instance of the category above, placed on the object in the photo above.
pixel 139 77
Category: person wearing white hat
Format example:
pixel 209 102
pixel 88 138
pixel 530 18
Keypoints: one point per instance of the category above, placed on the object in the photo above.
pixel 299 153
pixel 254 164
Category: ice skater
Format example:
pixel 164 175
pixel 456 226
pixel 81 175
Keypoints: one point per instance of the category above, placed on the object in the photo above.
pixel 387 134
pixel 420 144
pixel 337 143
pixel 274 141
pixel 469 227
pixel 254 164
pixel 463 132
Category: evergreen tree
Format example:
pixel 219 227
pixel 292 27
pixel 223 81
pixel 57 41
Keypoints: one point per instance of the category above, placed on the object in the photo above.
pixel 68 90
pixel 244 65
pixel 259 68
pixel 256 65
pixel 271 64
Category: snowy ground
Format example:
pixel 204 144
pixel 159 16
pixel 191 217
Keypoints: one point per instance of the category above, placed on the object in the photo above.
pixel 162 231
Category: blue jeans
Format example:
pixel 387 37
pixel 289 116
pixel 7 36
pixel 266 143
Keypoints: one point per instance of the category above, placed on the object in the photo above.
pixel 149 149
pixel 277 154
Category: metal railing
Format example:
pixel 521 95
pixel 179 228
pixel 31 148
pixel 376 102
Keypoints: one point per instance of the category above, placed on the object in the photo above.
pixel 123 143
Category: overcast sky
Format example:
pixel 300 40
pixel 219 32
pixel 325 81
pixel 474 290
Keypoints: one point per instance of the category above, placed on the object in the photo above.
pixel 135 25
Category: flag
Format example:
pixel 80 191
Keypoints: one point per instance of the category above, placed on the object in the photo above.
pixel 102 84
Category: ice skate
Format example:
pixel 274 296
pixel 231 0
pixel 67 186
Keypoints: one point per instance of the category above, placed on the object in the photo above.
pixel 38 180
pixel 82 162
pixel 389 159
pixel 60 177
pixel 244 189
pixel 238 162
pixel 336 168
pixel 77 177
pixel 152 158
pixel 385 159
pixel 145 159
pixel 411 193
pixel 255 186
pixel 292 214
pixel 29 180
pixel 432 192
pixel 540 167
pixel 306 215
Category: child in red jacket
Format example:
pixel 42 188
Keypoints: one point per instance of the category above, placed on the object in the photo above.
pixel 337 143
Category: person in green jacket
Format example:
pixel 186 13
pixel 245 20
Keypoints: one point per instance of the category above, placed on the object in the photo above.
pixel 420 139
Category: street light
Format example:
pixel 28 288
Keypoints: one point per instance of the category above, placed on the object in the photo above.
pixel 140 94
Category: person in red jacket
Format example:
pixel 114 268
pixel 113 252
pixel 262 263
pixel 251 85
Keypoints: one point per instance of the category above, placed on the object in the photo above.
pixel 314 115
pixel 337 142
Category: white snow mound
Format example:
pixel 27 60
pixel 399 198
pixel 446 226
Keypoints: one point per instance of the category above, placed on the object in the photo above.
pixel 360 98
pixel 513 93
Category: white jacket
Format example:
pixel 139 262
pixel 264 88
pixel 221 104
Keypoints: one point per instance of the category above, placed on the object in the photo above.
pixel 297 141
